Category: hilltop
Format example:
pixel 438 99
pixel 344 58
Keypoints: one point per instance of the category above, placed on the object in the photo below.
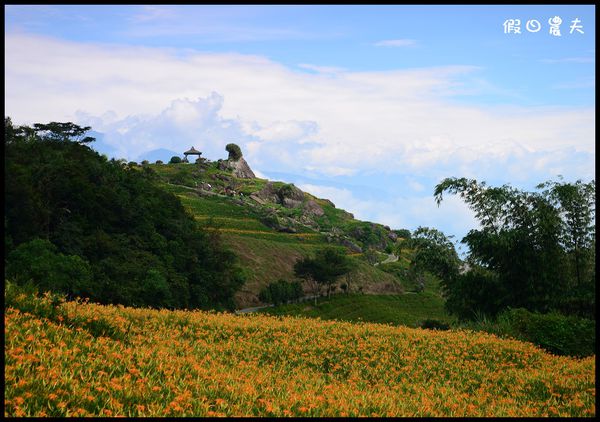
pixel 271 224
pixel 206 235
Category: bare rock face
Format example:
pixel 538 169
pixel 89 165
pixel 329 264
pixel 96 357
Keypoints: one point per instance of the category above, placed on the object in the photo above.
pixel 268 193
pixel 288 195
pixel 240 168
pixel 243 170
pixel 311 207
pixel 290 203
pixel 290 192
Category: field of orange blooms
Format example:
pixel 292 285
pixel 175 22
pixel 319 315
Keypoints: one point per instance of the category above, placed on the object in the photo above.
pixel 84 359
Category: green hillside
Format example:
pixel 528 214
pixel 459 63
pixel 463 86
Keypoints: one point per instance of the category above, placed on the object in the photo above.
pixel 409 309
pixel 269 238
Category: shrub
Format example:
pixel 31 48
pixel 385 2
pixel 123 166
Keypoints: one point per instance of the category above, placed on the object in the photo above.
pixel 159 162
pixel 554 332
pixel 434 324
pixel 175 160
pixel 39 262
pixel 281 291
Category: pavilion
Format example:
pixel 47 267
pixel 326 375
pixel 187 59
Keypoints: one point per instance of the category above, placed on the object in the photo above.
pixel 191 151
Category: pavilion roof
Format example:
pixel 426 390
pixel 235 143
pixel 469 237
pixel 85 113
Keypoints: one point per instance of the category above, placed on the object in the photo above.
pixel 192 150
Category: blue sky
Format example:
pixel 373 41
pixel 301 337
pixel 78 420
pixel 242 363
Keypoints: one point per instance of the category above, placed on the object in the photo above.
pixel 370 106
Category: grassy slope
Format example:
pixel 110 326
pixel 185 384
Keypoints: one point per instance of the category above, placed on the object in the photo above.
pixel 77 359
pixel 407 309
pixel 266 254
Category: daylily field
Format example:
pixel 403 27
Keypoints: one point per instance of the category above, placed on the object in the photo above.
pixel 83 359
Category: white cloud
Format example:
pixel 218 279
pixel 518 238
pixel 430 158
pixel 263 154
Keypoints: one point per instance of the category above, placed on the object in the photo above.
pixel 290 130
pixel 182 124
pixel 395 43
pixel 400 121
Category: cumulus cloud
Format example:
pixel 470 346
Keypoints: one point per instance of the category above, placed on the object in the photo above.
pixel 183 123
pixel 339 123
pixel 279 131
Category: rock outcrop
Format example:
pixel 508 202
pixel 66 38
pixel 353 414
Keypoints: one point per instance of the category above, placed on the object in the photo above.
pixel 312 208
pixel 289 196
pixel 268 193
pixel 239 168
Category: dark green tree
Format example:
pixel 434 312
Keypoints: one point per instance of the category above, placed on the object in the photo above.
pixel 235 153
pixel 525 242
pixel 281 291
pixel 63 132
pixel 39 262
pixel 434 252
pixel 325 268
pixel 306 268
pixel 175 160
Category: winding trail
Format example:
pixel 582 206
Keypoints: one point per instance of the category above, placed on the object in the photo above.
pixel 256 308
pixel 391 258
pixel 250 310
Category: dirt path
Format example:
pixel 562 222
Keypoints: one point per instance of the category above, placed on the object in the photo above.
pixel 391 258
pixel 250 310
pixel 256 308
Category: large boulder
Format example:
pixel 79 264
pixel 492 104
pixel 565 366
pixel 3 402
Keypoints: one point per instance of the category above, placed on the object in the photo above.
pixel 291 192
pixel 239 168
pixel 290 203
pixel 287 195
pixel 268 193
pixel 312 208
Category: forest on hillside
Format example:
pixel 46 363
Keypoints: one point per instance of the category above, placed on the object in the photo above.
pixel 78 223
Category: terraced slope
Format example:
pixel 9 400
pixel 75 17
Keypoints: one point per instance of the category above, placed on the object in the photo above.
pixel 266 253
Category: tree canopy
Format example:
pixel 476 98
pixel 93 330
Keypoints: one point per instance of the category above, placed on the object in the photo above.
pixel 235 152
pixel 328 264
pixel 81 211
pixel 534 250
